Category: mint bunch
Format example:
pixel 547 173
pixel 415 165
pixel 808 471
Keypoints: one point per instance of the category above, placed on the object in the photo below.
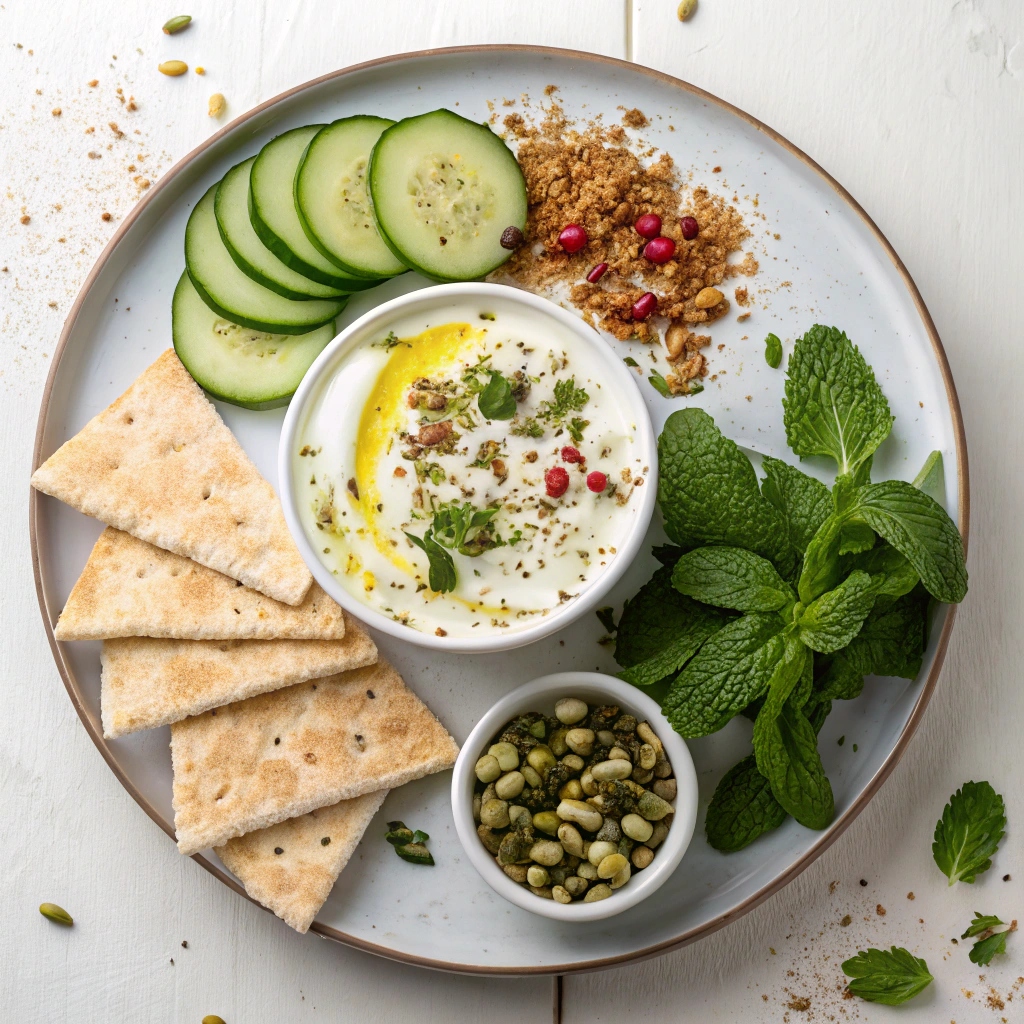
pixel 779 596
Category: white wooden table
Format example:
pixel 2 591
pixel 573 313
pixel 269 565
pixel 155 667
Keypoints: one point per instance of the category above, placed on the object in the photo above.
pixel 917 107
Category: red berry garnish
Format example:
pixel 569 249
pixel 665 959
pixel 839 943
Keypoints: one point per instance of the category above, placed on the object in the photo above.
pixel 690 228
pixel 556 481
pixel 570 454
pixel 597 481
pixel 645 306
pixel 597 273
pixel 572 238
pixel 648 226
pixel 659 250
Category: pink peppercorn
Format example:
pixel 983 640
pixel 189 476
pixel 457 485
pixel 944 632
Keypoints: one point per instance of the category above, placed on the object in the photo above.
pixel 572 238
pixel 597 273
pixel 659 250
pixel 597 481
pixel 645 306
pixel 570 454
pixel 556 482
pixel 690 228
pixel 648 226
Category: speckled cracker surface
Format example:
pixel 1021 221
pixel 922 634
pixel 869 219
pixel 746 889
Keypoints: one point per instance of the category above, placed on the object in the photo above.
pixel 131 588
pixel 146 682
pixel 291 868
pixel 253 764
pixel 160 464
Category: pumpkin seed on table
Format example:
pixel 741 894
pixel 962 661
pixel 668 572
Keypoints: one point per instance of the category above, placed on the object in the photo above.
pixel 217 104
pixel 56 914
pixel 173 68
pixel 685 9
pixel 173 25
pixel 212 1018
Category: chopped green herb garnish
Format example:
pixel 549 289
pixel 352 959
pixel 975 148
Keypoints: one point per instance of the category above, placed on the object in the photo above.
pixel 390 342
pixel 630 361
pixel 487 316
pixel 409 845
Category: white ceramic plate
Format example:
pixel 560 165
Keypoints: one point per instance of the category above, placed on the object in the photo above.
pixel 840 271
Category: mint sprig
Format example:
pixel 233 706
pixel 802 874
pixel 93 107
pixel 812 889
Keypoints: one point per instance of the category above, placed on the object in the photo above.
pixel 989 942
pixel 887 976
pixel 968 833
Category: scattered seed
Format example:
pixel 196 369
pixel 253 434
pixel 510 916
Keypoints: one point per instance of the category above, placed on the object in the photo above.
pixel 217 105
pixel 173 68
pixel 56 914
pixel 25 218
pixel 93 83
pixel 212 1018
pixel 56 111
pixel 863 881
pixel 200 71
pixel 104 216
pixel 706 298
pixel 685 9
pixel 177 24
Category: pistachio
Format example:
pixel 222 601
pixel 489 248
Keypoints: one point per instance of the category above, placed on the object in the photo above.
pixel 625 723
pixel 557 742
pixel 706 298
pixel 598 851
pixel 570 710
pixel 611 865
pixel 172 68
pixel 642 857
pixel 561 895
pixel 581 813
pixel 685 9
pixel 652 807
pixel 519 816
pixel 621 877
pixel 217 105
pixel 56 914
pixel 506 755
pixel 580 741
pixel 571 840
pixel 642 776
pixel 637 828
pixel 510 786
pixel 547 821
pixel 177 24
pixel 487 768
pixel 666 789
pixel 542 891
pixel 489 793
pixel 559 873
pixel 598 892
pixel 572 790
pixel 574 762
pixel 663 769
pixel 546 852
pixel 587 871
pixel 607 771
pixel 606 738
pixel 576 885
pixel 588 784
pixel 536 875
pixel 541 759
pixel 515 846
pixel 539 729
pixel 494 814
pixel 658 835
pixel 517 872
pixel 648 735
pixel 533 780
pixel 477 804
pixel 648 757
pixel 490 839
pixel 625 846
pixel 618 754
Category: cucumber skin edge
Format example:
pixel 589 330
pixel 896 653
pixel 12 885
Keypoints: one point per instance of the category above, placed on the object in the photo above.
pixel 262 325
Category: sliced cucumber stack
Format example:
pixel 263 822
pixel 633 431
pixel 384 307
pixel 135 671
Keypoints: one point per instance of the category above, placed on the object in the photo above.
pixel 332 201
pixel 236 296
pixel 251 256
pixel 275 219
pixel 250 368
pixel 443 190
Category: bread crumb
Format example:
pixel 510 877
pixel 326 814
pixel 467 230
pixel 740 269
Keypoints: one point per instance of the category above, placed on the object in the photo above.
pixel 56 111
pixel 716 170
pixel 104 216
pixel 880 910
pixel 634 118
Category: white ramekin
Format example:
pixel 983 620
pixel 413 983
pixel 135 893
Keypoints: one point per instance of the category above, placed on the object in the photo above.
pixel 371 326
pixel 541 695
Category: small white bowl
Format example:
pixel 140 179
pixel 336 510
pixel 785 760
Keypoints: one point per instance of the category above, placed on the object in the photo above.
pixel 540 695
pixel 374 325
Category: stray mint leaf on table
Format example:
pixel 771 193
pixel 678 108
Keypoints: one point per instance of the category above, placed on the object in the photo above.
pixel 833 404
pixel 773 351
pixel 968 833
pixel 887 976
pixel 989 942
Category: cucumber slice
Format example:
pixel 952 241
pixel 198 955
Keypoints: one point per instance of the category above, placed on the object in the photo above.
pixel 239 365
pixel 233 295
pixel 443 190
pixel 251 256
pixel 332 202
pixel 273 214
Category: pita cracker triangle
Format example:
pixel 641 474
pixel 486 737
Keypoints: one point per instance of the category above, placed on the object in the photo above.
pixel 160 464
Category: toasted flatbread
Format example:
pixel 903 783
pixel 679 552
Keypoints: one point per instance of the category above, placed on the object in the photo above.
pixel 160 464
pixel 269 758
pixel 291 868
pixel 146 682
pixel 131 588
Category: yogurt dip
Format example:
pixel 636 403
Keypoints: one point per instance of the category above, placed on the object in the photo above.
pixel 468 470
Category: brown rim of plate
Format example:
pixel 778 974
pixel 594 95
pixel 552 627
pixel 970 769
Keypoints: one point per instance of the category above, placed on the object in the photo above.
pixel 833 832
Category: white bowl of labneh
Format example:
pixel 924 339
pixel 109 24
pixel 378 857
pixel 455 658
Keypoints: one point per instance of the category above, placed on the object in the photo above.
pixel 468 467
pixel 574 798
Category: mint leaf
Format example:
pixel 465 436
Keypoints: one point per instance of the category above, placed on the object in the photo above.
pixel 728 577
pixel 968 833
pixel 442 576
pixel 920 529
pixel 773 351
pixel 742 809
pixel 981 923
pixel 658 382
pixel 709 494
pixel 496 401
pixel 890 977
pixel 834 619
pixel 822 569
pixel 660 630
pixel 833 404
pixel 931 479
pixel 985 949
pixel 856 537
pixel 890 572
pixel 804 501
pixel 732 669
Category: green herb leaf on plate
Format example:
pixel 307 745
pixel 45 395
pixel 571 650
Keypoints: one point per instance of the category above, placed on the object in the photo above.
pixel 931 479
pixel 658 382
pixel 709 493
pixel 890 977
pixel 742 809
pixel 833 404
pixel 773 351
pixel 729 577
pixel 630 361
pixel 831 621
pixel 496 401
pixel 409 845
pixel 805 502
pixel 442 576
pixel 731 669
pixel 968 833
